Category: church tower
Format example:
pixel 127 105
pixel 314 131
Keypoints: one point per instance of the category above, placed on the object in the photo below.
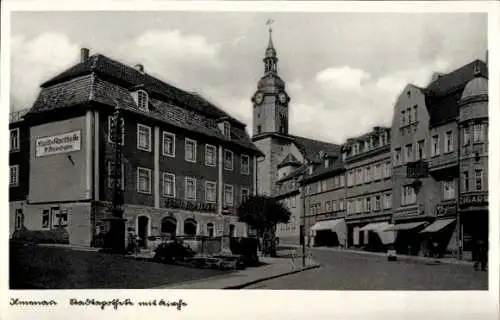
pixel 270 101
pixel 270 121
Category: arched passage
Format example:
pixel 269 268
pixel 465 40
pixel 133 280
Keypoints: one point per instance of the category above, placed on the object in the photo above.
pixel 169 225
pixel 190 227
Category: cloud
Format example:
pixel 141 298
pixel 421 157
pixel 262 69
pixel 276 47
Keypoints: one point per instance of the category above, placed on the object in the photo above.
pixel 35 60
pixel 342 77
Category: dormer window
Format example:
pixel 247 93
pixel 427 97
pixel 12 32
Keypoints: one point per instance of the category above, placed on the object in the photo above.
pixel 227 130
pixel 310 169
pixel 327 163
pixel 142 100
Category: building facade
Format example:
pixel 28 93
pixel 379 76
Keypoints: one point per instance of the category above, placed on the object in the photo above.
pixel 428 172
pixel 324 186
pixel 186 164
pixel 369 190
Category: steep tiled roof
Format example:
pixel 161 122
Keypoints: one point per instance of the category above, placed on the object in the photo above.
pixel 442 95
pixel 76 86
pixel 310 148
pixel 297 172
pixel 289 160
pixel 130 77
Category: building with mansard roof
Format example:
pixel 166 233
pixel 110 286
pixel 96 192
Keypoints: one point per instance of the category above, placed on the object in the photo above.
pixel 185 162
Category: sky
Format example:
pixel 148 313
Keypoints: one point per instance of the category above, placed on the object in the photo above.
pixel 343 71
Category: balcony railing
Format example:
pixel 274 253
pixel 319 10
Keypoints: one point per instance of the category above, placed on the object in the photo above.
pixel 443 161
pixel 16 116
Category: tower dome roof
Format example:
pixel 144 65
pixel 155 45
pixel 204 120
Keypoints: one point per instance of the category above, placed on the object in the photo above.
pixel 475 87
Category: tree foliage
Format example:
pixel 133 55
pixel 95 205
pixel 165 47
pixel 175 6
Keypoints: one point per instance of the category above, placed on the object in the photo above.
pixel 261 212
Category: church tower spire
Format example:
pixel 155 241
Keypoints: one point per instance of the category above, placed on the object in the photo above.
pixel 270 59
pixel 270 101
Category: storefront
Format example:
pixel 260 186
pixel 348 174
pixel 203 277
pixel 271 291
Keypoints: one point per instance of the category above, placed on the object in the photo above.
pixel 408 239
pixel 377 236
pixel 473 220
pixel 331 233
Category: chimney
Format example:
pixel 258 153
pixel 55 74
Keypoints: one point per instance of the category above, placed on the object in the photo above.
pixel 84 54
pixel 139 67
pixel 436 75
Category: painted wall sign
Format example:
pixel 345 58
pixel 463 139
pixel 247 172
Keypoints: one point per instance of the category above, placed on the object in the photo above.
pixel 474 200
pixel 63 143
pixel 177 203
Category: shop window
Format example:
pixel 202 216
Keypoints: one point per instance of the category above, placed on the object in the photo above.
pixel 45 219
pixel 190 227
pixel 169 225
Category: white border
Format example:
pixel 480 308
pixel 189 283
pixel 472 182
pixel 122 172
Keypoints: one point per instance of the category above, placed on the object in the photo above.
pixel 290 304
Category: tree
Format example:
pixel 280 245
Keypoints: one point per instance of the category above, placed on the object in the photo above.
pixel 263 213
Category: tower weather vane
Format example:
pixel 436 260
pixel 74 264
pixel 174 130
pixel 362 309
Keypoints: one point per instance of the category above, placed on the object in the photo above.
pixel 269 23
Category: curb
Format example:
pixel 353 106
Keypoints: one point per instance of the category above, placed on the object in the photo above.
pixel 246 284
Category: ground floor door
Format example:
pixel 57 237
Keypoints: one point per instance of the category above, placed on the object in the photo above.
pixel 326 238
pixel 142 232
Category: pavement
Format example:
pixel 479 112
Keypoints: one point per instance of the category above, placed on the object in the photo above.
pixel 351 270
pixel 137 270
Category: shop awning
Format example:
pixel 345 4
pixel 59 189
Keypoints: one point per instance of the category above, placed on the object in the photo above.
pixel 405 226
pixel 375 226
pixel 437 225
pixel 336 225
pixel 327 225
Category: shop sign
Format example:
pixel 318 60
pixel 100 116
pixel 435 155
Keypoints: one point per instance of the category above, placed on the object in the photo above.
pixel 177 203
pixel 469 200
pixel 446 210
pixel 63 143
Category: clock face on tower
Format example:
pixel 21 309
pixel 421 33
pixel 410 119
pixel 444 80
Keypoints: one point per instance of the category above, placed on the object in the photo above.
pixel 259 97
pixel 282 97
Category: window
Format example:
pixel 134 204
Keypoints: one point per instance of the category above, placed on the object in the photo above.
pixel 142 100
pixel 60 217
pixel 168 144
pixel 210 155
pixel 169 184
pixel 415 113
pixel 359 205
pixel 111 173
pixel 259 129
pixel 341 204
pixel 228 195
pixel 377 203
pixel 143 137
pixel 19 222
pixel 190 150
pixel 377 172
pixel 328 206
pixel 465 181
pixel 14 139
pixel 448 189
pixel 190 191
pixel 294 201
pixel 14 176
pixel 227 130
pixel 397 156
pixel 245 192
pixel 143 180
pixel 342 181
pixel 245 164
pixel 210 193
pixel 408 195
pixel 467 135
pixel 359 176
pixel 111 131
pixel 368 204
pixel 403 118
pixel 350 206
pixel 366 146
pixel 435 146
pixel 45 219
pixel 408 111
pixel 324 185
pixel 420 150
pixel 479 179
pixel 368 174
pixel 478 132
pixel 228 160
pixel 350 178
pixel 387 201
pixel 210 229
pixel 387 169
pixel 408 153
pixel 448 142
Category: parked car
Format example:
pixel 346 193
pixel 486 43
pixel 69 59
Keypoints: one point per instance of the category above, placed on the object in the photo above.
pixel 173 250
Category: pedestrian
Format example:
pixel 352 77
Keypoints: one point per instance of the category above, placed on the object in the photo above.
pixel 482 255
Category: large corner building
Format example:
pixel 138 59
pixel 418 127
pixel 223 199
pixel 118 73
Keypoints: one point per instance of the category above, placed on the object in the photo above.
pixel 185 162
